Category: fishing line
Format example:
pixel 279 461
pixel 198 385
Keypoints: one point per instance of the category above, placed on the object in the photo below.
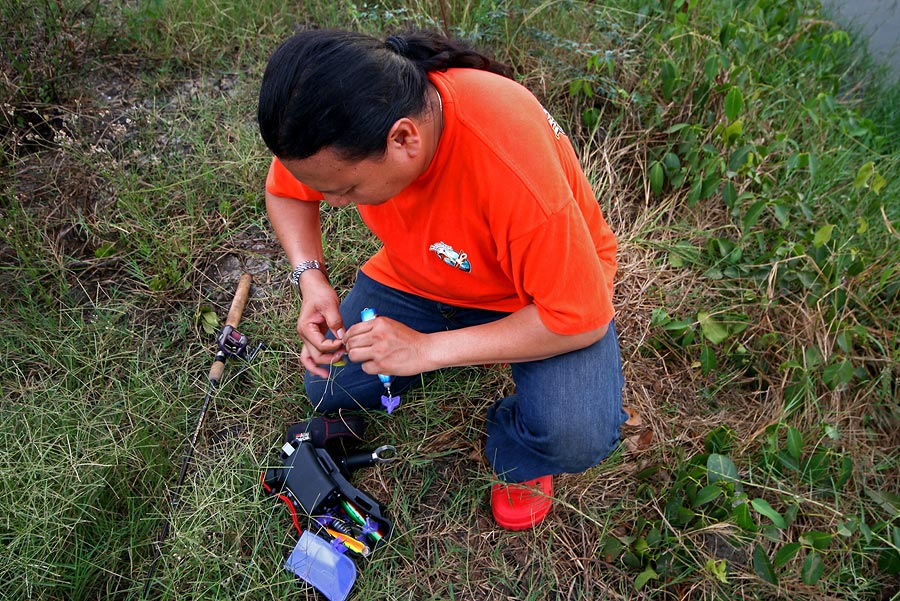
pixel 271 516
pixel 341 530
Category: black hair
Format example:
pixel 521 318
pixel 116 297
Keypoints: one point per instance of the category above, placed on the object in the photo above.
pixel 344 90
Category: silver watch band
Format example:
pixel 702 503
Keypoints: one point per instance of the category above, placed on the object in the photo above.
pixel 301 267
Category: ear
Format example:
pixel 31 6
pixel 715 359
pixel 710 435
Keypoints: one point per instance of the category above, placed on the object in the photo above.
pixel 405 137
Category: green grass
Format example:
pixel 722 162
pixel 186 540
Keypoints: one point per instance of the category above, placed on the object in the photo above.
pixel 745 152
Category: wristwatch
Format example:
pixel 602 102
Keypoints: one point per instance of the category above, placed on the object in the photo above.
pixel 300 268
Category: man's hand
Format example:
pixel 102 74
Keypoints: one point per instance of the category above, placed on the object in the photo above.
pixel 386 346
pixel 319 313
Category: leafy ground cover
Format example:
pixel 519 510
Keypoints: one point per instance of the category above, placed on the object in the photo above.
pixel 745 151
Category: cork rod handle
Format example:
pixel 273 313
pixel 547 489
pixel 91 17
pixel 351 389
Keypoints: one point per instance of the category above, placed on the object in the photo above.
pixel 238 304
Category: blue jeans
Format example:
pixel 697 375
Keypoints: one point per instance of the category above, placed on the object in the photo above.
pixel 565 414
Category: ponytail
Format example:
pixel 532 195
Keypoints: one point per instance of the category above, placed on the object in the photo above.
pixel 433 52
pixel 344 90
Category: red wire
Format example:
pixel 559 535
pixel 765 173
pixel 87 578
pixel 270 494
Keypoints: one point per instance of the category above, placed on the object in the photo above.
pixel 287 502
pixel 293 513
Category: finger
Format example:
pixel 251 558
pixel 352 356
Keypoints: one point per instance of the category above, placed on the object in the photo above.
pixel 311 334
pixel 369 367
pixel 361 327
pixel 362 353
pixel 360 335
pixel 311 366
pixel 334 321
pixel 320 357
pixel 314 333
pixel 310 330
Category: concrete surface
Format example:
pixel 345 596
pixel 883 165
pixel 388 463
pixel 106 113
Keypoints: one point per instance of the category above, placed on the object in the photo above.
pixel 878 19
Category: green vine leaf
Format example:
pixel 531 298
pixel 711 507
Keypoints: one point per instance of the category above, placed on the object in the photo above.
pixel 762 566
pixel 644 577
pixel 823 235
pixel 762 507
pixel 657 178
pixel 734 103
pixel 863 175
pixel 786 553
pixel 813 568
pixel 207 319
pixel 721 468
pixel 712 330
pixel 795 443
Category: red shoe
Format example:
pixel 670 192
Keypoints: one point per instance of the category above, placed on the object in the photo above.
pixel 523 505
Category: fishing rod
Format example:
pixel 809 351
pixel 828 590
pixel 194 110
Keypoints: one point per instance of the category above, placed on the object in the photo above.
pixel 230 343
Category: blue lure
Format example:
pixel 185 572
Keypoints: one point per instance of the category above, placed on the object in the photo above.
pixel 388 401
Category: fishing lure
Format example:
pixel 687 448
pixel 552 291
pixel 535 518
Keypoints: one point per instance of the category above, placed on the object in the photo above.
pixel 369 526
pixel 350 542
pixel 389 401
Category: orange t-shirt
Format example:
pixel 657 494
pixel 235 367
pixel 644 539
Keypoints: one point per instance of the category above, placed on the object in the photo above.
pixel 503 217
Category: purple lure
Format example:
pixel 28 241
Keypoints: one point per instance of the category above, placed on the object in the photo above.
pixel 390 402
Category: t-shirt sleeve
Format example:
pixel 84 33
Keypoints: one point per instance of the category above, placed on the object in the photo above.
pixel 556 267
pixel 280 182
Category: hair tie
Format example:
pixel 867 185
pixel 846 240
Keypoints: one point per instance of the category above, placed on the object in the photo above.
pixel 397 45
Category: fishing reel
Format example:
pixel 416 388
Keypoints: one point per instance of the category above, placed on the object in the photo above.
pixel 231 343
pixel 313 484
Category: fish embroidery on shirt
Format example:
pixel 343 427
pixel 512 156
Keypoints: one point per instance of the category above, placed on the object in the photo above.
pixel 451 256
